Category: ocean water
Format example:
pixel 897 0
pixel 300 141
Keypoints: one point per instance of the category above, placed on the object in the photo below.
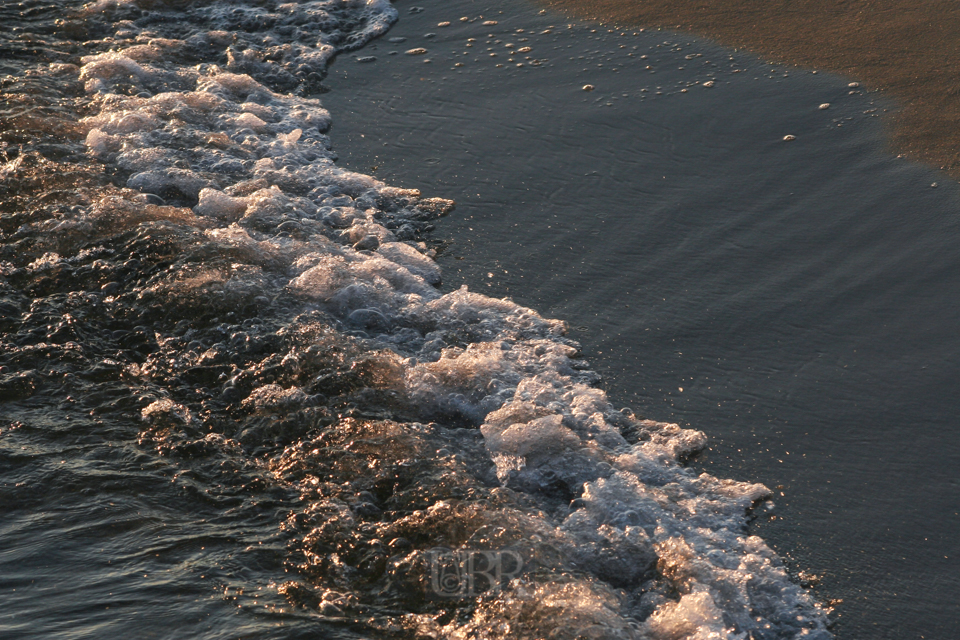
pixel 244 393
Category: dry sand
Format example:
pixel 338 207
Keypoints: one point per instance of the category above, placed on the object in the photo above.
pixel 909 49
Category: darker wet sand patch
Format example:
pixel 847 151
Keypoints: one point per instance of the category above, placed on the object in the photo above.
pixel 907 48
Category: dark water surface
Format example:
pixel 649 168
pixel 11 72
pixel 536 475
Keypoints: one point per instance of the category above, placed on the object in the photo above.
pixel 796 300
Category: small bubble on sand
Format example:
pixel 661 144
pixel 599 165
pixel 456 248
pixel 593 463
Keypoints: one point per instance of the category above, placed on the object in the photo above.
pixel 419 51
pixel 588 87
pixel 708 83
pixel 489 22
pixel 789 137
pixel 443 24
pixel 934 185
pixel 853 85
pixel 367 59
pixel 825 105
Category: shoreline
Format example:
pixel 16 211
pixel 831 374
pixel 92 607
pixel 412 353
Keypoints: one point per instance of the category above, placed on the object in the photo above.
pixel 910 51
pixel 397 406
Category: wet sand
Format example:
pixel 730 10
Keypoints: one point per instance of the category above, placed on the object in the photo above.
pixel 908 48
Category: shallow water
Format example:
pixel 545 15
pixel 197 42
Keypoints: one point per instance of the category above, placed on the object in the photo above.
pixel 237 401
pixel 802 294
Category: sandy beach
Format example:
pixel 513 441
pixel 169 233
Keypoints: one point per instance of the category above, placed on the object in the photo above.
pixel 909 49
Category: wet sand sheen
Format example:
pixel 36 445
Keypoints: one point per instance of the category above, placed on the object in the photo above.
pixel 909 48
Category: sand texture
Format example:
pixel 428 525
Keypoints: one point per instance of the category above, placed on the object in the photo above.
pixel 908 48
